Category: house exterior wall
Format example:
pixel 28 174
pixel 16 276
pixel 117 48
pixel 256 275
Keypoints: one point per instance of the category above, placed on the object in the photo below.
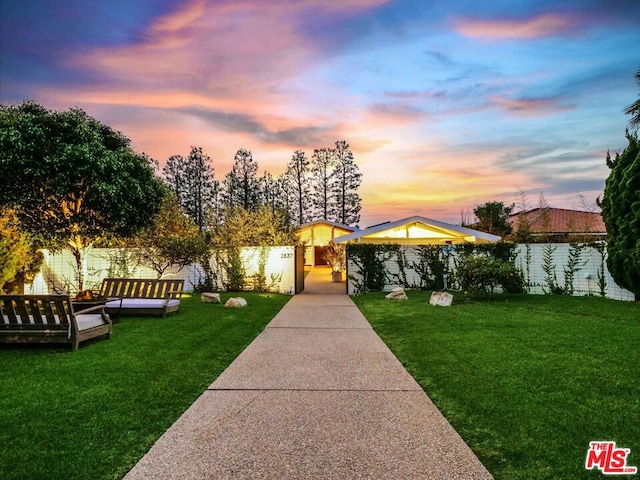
pixel 58 271
pixel 591 263
pixel 318 235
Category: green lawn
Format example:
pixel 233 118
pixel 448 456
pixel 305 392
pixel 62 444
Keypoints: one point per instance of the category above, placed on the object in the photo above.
pixel 528 381
pixel 93 413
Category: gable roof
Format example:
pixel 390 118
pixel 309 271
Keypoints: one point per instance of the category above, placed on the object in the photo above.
pixel 322 221
pixel 417 230
pixel 560 221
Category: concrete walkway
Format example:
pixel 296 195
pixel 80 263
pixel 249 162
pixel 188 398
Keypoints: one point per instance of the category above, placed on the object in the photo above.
pixel 317 395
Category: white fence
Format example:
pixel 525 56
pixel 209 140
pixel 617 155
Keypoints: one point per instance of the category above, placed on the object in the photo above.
pixel 586 279
pixel 58 273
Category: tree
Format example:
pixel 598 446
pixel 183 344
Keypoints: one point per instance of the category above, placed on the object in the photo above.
pixel 621 214
pixel 200 187
pixel 493 217
pixel 173 240
pixel 634 108
pixel 173 175
pixel 72 179
pixel 297 174
pixel 20 260
pixel 346 180
pixel 321 176
pixel 242 187
pixel 263 228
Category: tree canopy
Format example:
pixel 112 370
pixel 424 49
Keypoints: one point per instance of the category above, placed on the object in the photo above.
pixel 72 179
pixel 621 214
pixel 493 217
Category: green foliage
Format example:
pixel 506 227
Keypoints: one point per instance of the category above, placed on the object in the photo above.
pixel 344 186
pixel 574 265
pixel 484 273
pixel 173 240
pixel 493 217
pixel 370 269
pixel 71 179
pixel 264 227
pixel 634 108
pixel 242 188
pixel 120 263
pixel 56 420
pixel 621 213
pixel 20 260
pixel 601 278
pixel 549 268
pixel 234 279
pixel 432 266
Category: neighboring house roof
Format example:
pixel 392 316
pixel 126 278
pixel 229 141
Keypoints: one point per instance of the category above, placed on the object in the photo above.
pixel 417 230
pixel 556 221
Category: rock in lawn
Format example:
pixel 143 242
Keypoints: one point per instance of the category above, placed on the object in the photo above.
pixel 442 299
pixel 397 294
pixel 208 297
pixel 237 302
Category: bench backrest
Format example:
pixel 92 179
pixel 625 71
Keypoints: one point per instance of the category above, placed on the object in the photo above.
pixel 53 311
pixel 141 288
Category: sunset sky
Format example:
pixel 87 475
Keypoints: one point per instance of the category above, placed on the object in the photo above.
pixel 445 104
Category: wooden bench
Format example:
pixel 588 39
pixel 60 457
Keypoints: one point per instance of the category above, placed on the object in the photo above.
pixel 141 296
pixel 49 319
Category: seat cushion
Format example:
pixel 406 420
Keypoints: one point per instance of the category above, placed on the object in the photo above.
pixel 142 303
pixel 89 320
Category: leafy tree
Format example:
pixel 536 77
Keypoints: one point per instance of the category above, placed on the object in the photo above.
pixel 173 240
pixel 297 174
pixel 346 180
pixel 20 260
pixel 242 187
pixel 72 179
pixel 263 228
pixel 321 175
pixel 621 213
pixel 634 109
pixel 493 217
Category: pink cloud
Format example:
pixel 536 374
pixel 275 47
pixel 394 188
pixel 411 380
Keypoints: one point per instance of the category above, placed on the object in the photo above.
pixel 529 107
pixel 540 26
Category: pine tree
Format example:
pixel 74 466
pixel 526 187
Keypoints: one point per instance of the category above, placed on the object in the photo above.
pixel 321 176
pixel 345 183
pixel 242 187
pixel 297 175
pixel 173 176
pixel 199 187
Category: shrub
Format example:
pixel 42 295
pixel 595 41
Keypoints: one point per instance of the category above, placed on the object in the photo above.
pixel 482 273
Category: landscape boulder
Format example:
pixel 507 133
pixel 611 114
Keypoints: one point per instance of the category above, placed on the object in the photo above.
pixel 236 302
pixel 209 297
pixel 441 299
pixel 397 294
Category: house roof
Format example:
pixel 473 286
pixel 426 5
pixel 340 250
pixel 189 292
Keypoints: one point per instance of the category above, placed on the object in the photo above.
pixel 560 221
pixel 322 221
pixel 418 229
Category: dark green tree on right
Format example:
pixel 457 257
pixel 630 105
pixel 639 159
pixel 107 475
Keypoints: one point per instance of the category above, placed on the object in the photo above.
pixel 621 214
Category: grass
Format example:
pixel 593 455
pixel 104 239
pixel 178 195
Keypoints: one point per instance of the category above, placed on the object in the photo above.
pixel 527 381
pixel 92 414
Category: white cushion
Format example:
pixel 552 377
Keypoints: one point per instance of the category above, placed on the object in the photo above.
pixel 89 320
pixel 142 303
